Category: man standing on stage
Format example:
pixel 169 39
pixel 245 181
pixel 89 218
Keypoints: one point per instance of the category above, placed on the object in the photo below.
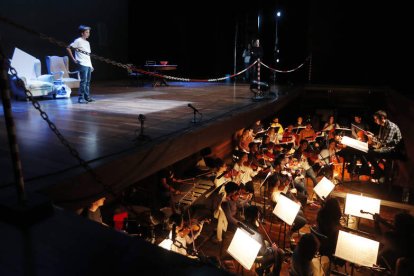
pixel 84 62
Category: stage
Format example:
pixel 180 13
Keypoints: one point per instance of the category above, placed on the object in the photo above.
pixel 107 133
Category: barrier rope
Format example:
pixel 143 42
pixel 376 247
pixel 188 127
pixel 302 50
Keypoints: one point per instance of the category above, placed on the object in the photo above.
pixel 286 71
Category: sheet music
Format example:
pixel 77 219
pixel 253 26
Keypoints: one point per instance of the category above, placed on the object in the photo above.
pixel 354 143
pixel 244 248
pixel 356 249
pixel 355 203
pixel 286 209
pixel 324 188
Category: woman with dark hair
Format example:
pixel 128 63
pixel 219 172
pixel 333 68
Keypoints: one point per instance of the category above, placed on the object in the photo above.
pixel 328 223
pixel 301 264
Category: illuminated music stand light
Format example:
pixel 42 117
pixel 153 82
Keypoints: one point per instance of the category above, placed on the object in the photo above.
pixel 244 248
pixel 354 143
pixel 357 249
pixel 354 204
pixel 324 188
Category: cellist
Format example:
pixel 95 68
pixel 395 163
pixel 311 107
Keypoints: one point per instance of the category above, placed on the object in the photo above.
pixel 329 159
pixel 330 127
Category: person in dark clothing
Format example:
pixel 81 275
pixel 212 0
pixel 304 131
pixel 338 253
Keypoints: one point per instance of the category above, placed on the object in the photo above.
pixel 328 223
pixel 301 263
pixel 396 240
pixel 93 211
pixel 257 52
pixel 269 255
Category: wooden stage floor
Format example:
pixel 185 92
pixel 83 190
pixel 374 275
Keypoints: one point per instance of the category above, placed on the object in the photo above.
pixel 105 132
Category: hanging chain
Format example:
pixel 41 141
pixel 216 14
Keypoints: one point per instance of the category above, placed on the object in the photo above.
pixel 58 134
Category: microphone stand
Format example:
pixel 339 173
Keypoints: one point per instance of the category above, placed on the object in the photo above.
pixel 142 136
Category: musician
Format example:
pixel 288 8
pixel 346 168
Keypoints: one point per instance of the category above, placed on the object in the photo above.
pixel 278 127
pixel 168 188
pixel 245 139
pixel 281 183
pixel 244 169
pixel 329 159
pixel 299 122
pixel 182 234
pixel 307 133
pixel 358 128
pixel 222 174
pixel 269 254
pixel 227 212
pixel 273 136
pixel 254 155
pixel 257 127
pixel 304 154
pixel 288 135
pixel 388 142
pixel 330 124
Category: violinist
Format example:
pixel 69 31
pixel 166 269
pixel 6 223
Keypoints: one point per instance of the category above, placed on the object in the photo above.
pixel 254 155
pixel 297 175
pixel 183 234
pixel 246 195
pixel 245 173
pixel 288 135
pixel 269 254
pixel 285 181
pixel 222 174
pixel 307 157
pixel 227 218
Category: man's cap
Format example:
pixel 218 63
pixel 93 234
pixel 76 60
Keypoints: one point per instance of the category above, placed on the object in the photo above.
pixel 84 28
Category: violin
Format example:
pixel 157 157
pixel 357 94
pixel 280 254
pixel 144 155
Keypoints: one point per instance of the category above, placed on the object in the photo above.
pixel 231 173
pixel 194 227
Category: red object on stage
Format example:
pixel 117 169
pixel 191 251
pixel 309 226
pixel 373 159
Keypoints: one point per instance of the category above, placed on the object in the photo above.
pixel 119 220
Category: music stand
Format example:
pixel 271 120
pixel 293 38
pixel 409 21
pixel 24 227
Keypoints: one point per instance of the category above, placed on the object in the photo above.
pixel 361 207
pixel 354 143
pixel 324 188
pixel 244 248
pixel 357 249
pixel 166 244
pixel 287 210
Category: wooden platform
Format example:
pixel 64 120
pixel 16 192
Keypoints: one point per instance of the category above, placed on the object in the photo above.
pixel 105 133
